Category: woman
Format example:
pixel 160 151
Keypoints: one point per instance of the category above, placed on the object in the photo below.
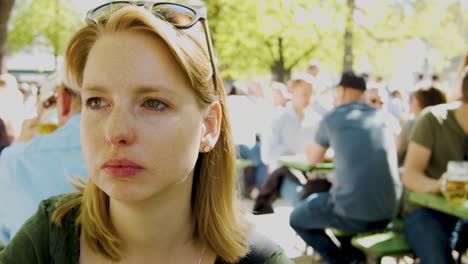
pixel 157 146
pixel 439 136
pixel 419 100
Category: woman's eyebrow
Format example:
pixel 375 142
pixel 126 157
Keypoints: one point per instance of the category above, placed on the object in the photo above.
pixel 154 88
pixel 93 88
pixel 140 89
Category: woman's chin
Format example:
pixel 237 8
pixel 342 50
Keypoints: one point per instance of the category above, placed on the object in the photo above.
pixel 129 197
pixel 129 194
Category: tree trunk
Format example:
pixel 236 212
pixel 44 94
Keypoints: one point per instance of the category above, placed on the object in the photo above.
pixel 278 69
pixel 279 72
pixel 5 10
pixel 348 57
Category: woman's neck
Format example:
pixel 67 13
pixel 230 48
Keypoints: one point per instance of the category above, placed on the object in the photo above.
pixel 158 226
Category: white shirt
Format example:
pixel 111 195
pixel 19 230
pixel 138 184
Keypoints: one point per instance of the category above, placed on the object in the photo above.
pixel 248 117
pixel 289 134
pixel 11 108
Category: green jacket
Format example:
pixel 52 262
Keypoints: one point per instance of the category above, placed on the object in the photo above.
pixel 41 241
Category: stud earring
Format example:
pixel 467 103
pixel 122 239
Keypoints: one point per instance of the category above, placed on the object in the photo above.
pixel 206 148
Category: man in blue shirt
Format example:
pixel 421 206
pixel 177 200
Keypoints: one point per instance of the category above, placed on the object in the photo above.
pixel 34 170
pixel 366 188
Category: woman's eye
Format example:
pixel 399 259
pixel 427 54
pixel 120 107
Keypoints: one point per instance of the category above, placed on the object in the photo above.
pixel 154 105
pixel 95 103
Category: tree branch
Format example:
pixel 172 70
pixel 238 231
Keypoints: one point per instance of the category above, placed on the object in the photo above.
pixel 309 50
pixel 270 49
pixel 384 38
pixel 306 53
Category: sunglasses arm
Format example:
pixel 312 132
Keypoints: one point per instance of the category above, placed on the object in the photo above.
pixel 210 52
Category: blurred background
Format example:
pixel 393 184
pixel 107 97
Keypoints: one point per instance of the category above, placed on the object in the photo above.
pixel 400 45
pixel 270 40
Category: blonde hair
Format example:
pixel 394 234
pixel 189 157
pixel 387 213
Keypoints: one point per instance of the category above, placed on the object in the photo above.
pixel 219 221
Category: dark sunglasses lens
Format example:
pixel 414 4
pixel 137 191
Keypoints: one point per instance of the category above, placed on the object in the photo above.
pixel 466 149
pixel 174 14
pixel 51 101
pixel 104 12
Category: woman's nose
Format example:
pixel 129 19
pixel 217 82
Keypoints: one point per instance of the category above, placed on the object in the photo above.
pixel 120 128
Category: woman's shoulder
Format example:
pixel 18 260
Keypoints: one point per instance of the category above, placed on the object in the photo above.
pixel 43 217
pixel 40 237
pixel 263 251
pixel 51 206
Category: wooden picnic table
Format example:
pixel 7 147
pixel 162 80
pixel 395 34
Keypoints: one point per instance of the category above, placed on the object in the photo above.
pixel 439 203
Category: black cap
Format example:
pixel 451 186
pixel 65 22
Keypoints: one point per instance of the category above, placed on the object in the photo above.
pixel 351 80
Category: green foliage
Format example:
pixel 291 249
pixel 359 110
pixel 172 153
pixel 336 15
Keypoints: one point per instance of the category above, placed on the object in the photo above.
pixel 47 23
pixel 388 30
pixel 246 33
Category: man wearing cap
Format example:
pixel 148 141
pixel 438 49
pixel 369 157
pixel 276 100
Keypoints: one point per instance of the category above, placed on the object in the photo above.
pixel 288 133
pixel 36 169
pixel 366 189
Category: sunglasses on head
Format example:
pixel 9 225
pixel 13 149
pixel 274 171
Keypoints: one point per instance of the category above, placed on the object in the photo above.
pixel 49 102
pixel 179 16
pixel 376 101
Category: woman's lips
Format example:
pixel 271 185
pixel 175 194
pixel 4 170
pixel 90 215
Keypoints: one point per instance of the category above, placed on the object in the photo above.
pixel 122 168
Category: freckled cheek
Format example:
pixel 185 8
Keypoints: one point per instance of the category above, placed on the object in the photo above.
pixel 173 143
pixel 90 143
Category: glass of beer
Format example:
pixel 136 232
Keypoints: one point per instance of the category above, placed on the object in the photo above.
pixel 455 181
pixel 46 128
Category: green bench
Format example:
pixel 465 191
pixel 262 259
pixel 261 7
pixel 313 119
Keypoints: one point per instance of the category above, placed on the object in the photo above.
pixel 388 242
pixel 377 244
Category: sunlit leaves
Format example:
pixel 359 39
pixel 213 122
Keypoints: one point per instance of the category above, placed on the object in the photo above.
pixel 247 33
pixel 42 23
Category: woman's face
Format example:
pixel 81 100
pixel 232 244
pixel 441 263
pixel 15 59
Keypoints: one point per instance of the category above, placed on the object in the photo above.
pixel 141 125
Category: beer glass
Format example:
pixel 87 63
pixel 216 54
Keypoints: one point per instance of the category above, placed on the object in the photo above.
pixel 48 117
pixel 455 181
pixel 46 128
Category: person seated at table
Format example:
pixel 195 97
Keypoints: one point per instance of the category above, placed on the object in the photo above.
pixel 289 132
pixel 156 144
pixel 280 95
pixel 378 98
pixel 245 113
pixel 439 136
pixel 366 188
pixel 419 100
pixel 40 167
pixel 375 97
pixel 11 105
pixel 397 105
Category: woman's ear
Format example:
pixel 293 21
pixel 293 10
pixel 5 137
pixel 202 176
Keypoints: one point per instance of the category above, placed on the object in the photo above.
pixel 211 126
